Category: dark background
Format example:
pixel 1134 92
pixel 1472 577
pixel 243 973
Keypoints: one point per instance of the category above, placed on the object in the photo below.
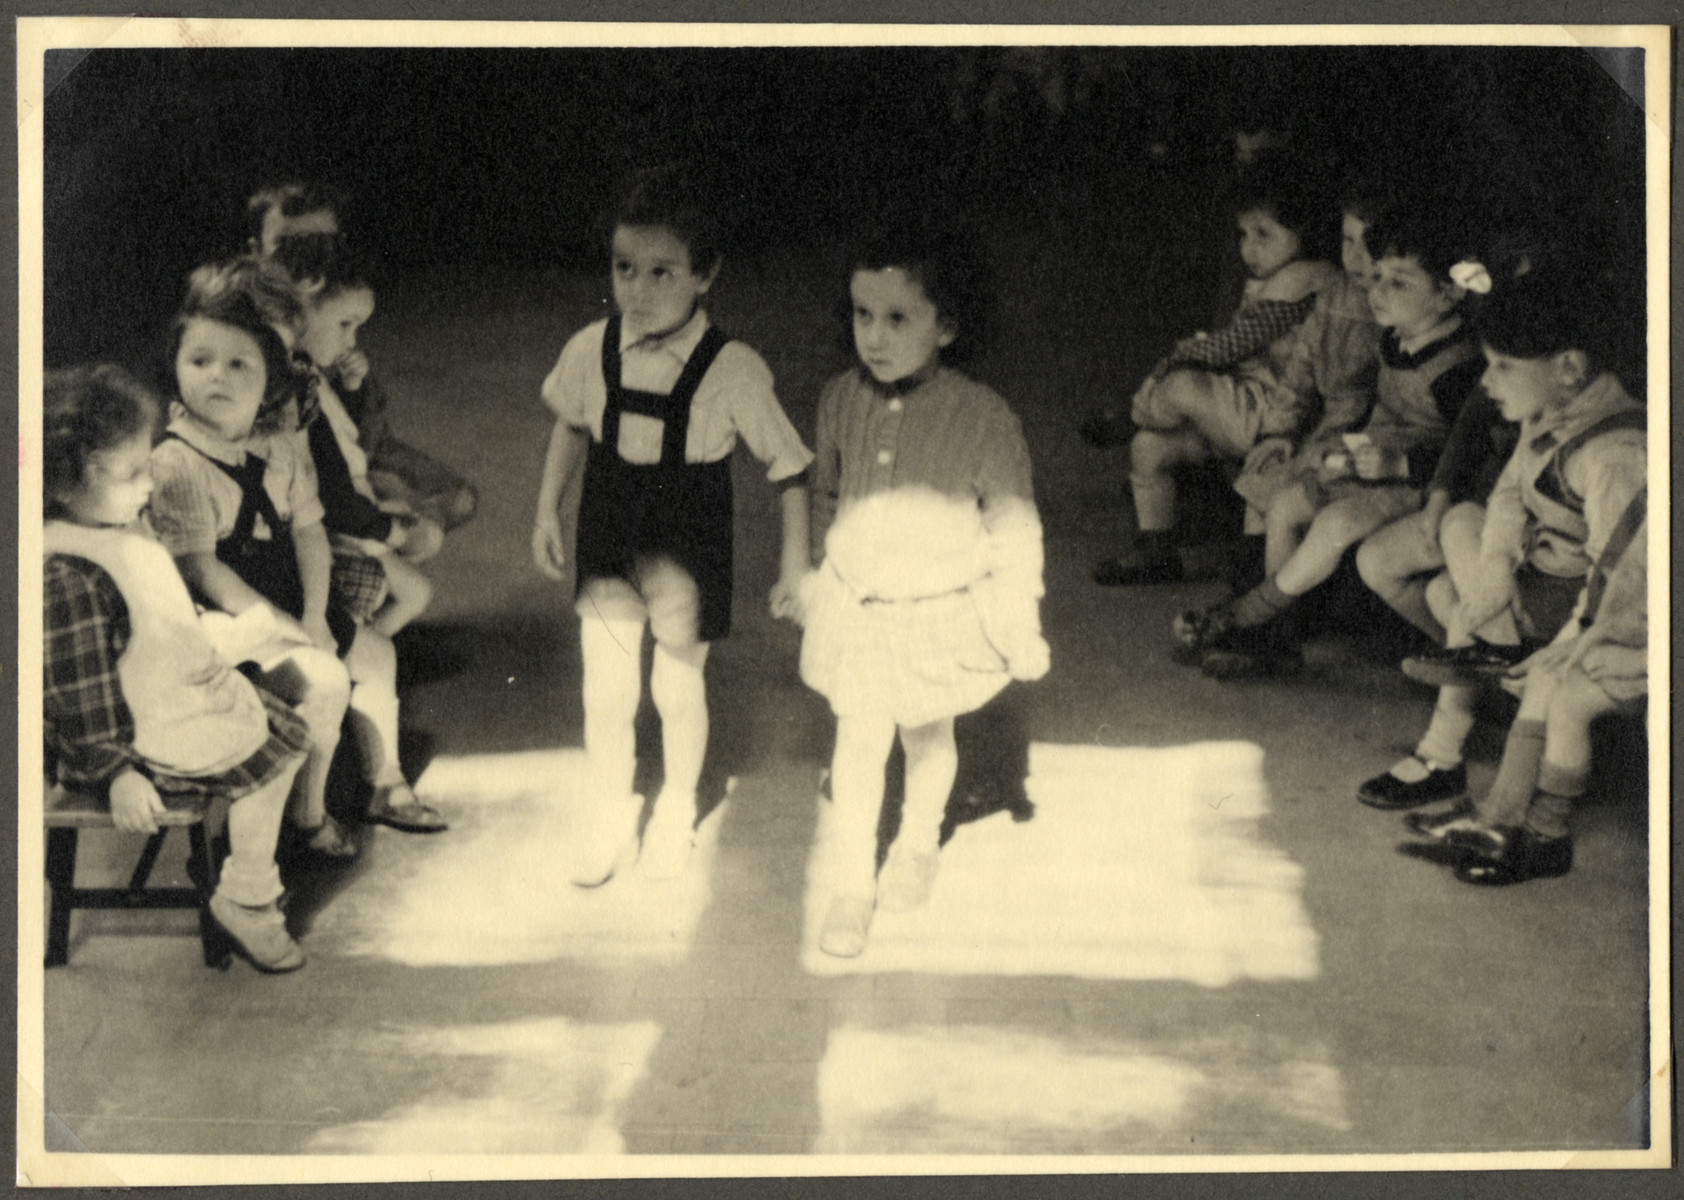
pixel 468 161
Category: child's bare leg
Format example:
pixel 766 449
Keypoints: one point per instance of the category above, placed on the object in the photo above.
pixel 1459 537
pixel 318 687
pixel 373 663
pixel 932 761
pixel 1395 562
pixel 856 793
pixel 1153 457
pixel 408 592
pixel 1289 514
pixel 1335 530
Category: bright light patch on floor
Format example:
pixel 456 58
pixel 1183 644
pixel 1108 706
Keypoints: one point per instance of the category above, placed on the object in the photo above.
pixel 532 1087
pixel 491 890
pixel 1138 864
pixel 971 1089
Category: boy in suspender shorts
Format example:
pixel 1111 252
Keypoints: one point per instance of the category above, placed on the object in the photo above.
pixel 649 404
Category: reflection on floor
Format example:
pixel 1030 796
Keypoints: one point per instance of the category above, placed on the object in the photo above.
pixel 543 1087
pixel 491 891
pixel 981 1090
pixel 1139 864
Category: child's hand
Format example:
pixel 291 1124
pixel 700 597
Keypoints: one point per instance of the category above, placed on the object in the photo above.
pixel 1369 462
pixel 316 629
pixel 352 369
pixel 548 549
pixel 1553 658
pixel 1031 660
pixel 423 538
pixel 786 601
pixel 1489 593
pixel 1335 464
pixel 396 508
pixel 135 807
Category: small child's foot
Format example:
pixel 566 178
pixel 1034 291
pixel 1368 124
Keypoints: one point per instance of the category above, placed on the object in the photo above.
pixel 846 927
pixel 395 805
pixel 667 838
pixel 907 880
pixel 607 842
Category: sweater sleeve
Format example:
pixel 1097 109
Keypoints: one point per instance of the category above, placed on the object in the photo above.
pixel 1459 464
pixel 826 478
pixel 91 730
pixel 1249 333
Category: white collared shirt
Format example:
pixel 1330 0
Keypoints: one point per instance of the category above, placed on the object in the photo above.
pixel 735 399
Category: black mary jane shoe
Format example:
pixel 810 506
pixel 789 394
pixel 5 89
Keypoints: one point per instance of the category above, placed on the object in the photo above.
pixel 1391 794
pixel 1437 827
pixel 1486 841
pixel 1465 664
pixel 1525 857
pixel 1251 652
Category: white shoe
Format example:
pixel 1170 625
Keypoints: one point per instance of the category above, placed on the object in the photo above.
pixel 846 927
pixel 667 838
pixel 907 879
pixel 607 842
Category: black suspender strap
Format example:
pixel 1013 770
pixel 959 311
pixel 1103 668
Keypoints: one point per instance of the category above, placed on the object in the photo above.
pixel 1619 541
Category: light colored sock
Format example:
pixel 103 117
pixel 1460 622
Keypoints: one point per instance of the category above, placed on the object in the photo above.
pixel 1517 776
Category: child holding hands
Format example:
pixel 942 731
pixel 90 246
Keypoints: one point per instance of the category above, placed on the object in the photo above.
pixel 927 601
pixel 649 404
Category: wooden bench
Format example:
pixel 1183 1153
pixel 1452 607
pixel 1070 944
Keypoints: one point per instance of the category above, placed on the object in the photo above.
pixel 70 812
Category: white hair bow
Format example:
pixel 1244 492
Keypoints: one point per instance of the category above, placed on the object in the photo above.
pixel 1471 277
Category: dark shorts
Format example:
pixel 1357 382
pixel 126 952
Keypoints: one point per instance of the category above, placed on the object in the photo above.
pixel 1544 602
pixel 289 739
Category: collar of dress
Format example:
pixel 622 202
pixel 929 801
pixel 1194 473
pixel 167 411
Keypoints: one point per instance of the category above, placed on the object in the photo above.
pixel 204 440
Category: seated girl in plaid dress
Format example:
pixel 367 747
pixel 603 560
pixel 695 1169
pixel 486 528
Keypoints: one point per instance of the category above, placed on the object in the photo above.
pixel 927 601
pixel 138 703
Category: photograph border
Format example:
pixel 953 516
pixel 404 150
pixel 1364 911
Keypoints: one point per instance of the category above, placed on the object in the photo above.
pixel 34 35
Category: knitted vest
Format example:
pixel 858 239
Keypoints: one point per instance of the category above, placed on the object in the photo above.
pixel 193 714
pixel 1557 530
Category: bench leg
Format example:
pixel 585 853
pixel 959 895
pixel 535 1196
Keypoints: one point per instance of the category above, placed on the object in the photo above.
pixel 200 871
pixel 61 877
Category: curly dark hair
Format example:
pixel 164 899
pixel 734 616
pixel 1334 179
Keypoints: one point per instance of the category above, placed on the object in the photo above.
pixel 322 265
pixel 86 411
pixel 672 196
pixel 1279 184
pixel 1433 234
pixel 947 263
pixel 254 297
